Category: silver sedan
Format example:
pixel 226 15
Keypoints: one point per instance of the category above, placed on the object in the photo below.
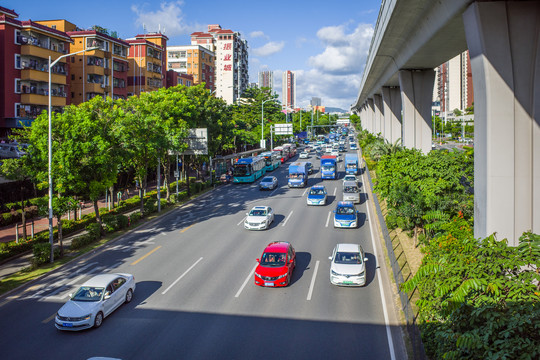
pixel 94 300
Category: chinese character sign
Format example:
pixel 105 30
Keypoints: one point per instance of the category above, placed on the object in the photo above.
pixel 227 57
pixel 227 68
pixel 227 46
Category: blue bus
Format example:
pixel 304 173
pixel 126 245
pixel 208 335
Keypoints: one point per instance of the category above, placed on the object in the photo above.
pixel 272 160
pixel 249 169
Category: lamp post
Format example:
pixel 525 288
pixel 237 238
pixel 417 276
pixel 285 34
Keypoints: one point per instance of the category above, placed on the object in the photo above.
pixel 51 64
pixel 262 120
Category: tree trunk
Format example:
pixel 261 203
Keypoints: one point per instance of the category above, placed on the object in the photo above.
pixel 23 216
pixel 60 237
pixel 166 171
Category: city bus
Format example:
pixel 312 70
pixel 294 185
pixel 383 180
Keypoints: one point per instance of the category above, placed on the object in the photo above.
pixel 272 160
pixel 283 154
pixel 249 169
pixel 292 149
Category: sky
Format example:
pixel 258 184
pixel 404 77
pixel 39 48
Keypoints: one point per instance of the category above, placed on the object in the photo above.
pixel 324 42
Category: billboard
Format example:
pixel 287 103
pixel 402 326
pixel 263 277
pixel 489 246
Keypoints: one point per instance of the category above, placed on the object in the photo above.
pixel 283 129
pixel 197 141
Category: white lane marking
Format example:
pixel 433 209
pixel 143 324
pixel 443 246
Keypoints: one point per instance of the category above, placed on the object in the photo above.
pixel 181 276
pixel 328 218
pixel 287 219
pixel 310 292
pixel 250 276
pixel 335 191
pixel 244 218
pixel 378 270
pixel 305 191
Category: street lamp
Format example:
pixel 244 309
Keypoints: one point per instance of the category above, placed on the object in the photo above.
pixel 51 64
pixel 262 120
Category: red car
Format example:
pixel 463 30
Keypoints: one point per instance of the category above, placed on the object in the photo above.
pixel 276 265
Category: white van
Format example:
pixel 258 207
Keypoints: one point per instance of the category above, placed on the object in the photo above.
pixel 351 192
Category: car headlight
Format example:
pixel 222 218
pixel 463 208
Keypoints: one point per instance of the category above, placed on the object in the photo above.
pixel 334 273
pixel 258 275
pixel 281 276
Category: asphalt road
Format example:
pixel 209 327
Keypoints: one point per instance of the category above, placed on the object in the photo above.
pixel 195 296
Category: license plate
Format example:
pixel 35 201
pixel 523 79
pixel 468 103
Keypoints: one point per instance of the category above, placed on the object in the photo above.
pixel 67 324
pixel 268 284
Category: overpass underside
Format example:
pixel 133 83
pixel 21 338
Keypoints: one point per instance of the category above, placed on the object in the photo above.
pixel 503 38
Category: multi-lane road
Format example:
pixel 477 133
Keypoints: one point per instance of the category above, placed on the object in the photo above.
pixel 195 295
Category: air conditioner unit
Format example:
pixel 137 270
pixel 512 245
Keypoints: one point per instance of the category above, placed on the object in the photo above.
pixel 103 86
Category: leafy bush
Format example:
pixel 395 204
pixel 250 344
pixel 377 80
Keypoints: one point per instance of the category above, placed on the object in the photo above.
pixel 81 241
pixel 149 205
pixel 42 254
pixel 134 217
pixel 94 230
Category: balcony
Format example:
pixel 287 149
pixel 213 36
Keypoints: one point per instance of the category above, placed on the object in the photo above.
pixel 39 99
pixel 94 69
pixel 40 76
pixel 40 52
pixel 95 88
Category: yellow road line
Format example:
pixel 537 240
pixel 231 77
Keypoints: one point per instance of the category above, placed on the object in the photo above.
pixel 48 319
pixel 145 256
pixel 181 231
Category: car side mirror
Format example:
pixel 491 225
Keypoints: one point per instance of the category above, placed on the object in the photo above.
pixel 247 214
pixel 70 296
pixel 106 297
pixel 329 258
pixel 258 260
pixel 334 211
pixel 365 259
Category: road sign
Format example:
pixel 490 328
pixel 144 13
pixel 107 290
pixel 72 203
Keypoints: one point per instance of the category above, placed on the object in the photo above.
pixel 283 129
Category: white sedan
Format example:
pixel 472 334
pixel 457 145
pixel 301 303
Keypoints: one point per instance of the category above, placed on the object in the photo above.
pixel 348 267
pixel 259 218
pixel 94 300
pixel 303 155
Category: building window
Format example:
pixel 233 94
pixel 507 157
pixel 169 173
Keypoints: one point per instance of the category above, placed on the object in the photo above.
pixel 17 61
pixel 72 95
pixel 72 77
pixel 17 110
pixel 18 86
pixel 17 37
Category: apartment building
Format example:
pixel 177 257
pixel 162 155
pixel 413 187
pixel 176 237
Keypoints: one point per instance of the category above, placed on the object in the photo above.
pixel 195 60
pixel 175 78
pixel 147 63
pixel 454 85
pixel 24 78
pixel 266 80
pixel 288 88
pixel 101 72
pixel 231 62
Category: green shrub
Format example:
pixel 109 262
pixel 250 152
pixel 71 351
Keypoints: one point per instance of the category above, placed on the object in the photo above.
pixel 81 241
pixel 149 206
pixel 94 230
pixel 134 217
pixel 391 221
pixel 42 254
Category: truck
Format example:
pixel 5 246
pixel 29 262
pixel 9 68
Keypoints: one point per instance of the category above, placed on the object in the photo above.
pixel 298 174
pixel 328 167
pixel 351 164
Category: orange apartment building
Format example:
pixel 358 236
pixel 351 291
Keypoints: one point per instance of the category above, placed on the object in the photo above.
pixel 147 63
pixel 101 72
pixel 195 60
pixel 24 78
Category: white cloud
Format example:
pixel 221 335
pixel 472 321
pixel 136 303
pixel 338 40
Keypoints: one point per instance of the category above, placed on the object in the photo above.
pixel 344 53
pixel 269 48
pixel 169 18
pixel 258 34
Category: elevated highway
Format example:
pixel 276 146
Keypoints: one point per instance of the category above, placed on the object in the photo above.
pixel 411 38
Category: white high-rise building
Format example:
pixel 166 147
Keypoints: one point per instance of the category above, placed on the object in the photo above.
pixel 231 61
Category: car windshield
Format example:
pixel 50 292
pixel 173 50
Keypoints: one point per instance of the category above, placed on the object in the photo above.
pixel 345 210
pixel 257 212
pixel 88 293
pixel 316 192
pixel 267 179
pixel 273 259
pixel 328 167
pixel 350 189
pixel 348 258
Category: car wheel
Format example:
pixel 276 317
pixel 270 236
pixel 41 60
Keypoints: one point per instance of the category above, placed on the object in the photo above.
pixel 98 320
pixel 129 296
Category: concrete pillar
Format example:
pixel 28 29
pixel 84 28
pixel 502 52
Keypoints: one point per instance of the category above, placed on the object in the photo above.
pixel 392 113
pixel 504 45
pixel 370 115
pixel 416 97
pixel 377 102
pixel 363 117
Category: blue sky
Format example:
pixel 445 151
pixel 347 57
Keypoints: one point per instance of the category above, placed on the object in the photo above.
pixel 324 42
